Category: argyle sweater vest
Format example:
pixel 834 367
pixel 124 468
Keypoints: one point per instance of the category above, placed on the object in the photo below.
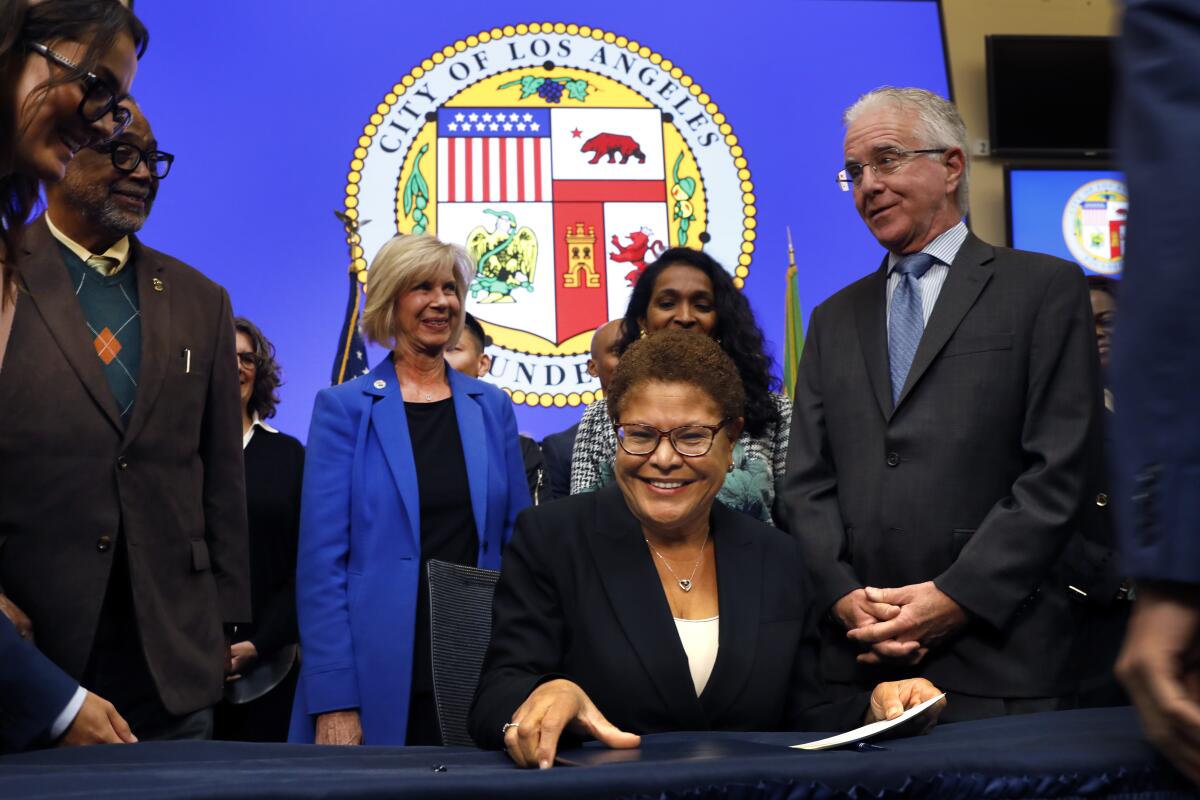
pixel 114 324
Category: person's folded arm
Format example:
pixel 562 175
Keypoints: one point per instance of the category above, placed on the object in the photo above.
pixel 810 495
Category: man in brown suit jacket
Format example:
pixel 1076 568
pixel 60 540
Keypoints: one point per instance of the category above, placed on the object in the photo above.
pixel 122 503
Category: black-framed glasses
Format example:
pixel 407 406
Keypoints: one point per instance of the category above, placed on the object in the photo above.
pixel 99 97
pixel 126 157
pixel 247 360
pixel 885 162
pixel 688 440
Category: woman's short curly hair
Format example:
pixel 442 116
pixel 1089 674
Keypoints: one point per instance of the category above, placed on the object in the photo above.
pixel 677 356
pixel 737 331
pixel 268 376
pixel 403 262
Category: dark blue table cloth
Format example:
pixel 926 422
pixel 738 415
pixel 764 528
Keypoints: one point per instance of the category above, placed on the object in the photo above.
pixel 1093 753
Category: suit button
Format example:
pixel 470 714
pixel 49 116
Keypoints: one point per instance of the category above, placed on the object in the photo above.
pixel 1102 500
pixel 893 459
pixel 122 464
pixel 104 543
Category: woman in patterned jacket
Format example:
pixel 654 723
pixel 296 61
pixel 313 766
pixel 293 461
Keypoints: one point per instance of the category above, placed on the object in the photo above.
pixel 688 289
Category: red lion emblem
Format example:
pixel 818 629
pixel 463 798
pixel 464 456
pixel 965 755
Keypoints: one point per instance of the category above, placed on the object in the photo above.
pixel 635 252
pixel 609 144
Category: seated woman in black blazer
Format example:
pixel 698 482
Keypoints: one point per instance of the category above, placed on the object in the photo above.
pixel 649 602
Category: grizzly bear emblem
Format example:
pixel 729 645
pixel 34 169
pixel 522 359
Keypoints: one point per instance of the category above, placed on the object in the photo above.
pixel 609 144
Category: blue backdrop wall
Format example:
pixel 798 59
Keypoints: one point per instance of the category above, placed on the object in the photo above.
pixel 263 104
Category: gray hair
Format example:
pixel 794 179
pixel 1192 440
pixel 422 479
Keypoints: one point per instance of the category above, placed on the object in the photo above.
pixel 938 124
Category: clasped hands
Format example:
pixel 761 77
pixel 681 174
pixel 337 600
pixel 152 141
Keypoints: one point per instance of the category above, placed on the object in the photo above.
pixel 900 625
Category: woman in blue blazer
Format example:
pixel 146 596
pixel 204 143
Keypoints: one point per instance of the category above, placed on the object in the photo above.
pixel 409 462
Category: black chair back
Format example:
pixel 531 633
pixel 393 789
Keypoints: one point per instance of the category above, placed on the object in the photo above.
pixel 460 610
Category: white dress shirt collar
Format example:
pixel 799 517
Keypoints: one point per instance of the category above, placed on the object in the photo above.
pixel 119 251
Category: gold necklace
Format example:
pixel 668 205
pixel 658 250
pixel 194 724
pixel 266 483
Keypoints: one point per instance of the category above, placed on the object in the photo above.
pixel 684 583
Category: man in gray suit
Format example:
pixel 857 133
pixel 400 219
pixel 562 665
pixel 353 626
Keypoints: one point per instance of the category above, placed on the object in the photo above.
pixel 945 415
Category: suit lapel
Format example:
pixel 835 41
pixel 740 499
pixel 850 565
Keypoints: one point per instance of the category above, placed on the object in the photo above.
pixel 390 423
pixel 154 308
pixel 968 275
pixel 474 439
pixel 739 576
pixel 45 277
pixel 635 592
pixel 871 315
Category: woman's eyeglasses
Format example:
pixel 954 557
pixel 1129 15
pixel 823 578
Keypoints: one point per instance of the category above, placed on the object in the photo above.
pixel 99 97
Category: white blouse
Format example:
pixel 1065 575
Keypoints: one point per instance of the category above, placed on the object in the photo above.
pixel 700 638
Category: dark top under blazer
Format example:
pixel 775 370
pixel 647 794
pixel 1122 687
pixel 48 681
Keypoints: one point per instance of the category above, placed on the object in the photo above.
pixel 973 481
pixel 171 481
pixel 274 473
pixel 579 598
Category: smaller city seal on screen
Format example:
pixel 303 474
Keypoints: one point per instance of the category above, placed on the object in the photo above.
pixel 1093 225
pixel 563 158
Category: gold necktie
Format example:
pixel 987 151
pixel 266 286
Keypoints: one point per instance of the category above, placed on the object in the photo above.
pixel 105 265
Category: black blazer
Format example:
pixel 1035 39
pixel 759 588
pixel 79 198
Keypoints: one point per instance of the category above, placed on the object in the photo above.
pixel 579 598
pixel 171 481
pixel 557 449
pixel 974 480
pixel 274 474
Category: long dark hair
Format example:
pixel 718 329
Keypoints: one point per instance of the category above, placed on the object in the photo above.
pixel 96 22
pixel 264 397
pixel 737 331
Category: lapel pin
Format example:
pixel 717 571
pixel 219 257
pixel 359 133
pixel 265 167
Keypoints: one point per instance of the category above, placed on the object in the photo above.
pixel 381 384
pixel 157 284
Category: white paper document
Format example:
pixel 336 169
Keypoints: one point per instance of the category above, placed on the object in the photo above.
pixel 868 731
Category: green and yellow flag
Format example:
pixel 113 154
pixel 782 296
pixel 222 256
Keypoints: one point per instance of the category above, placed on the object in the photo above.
pixel 794 345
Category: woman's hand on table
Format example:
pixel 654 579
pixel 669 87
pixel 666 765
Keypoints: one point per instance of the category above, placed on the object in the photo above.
pixel 339 727
pixel 531 738
pixel 893 698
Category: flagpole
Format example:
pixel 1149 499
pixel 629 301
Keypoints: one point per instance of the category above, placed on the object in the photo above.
pixel 794 342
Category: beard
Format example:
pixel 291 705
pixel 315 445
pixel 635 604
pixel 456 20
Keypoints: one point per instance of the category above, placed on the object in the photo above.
pixel 96 203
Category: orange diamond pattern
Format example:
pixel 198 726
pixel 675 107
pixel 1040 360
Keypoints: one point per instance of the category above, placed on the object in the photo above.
pixel 106 345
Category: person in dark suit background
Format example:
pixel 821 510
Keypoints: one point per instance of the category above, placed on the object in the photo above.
pixel 263 656
pixel 945 411
pixel 1092 569
pixel 121 491
pixel 558 447
pixel 1156 378
pixel 411 462
pixel 648 606
pixel 470 357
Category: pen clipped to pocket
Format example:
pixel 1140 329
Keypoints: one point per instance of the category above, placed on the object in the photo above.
pixel 187 360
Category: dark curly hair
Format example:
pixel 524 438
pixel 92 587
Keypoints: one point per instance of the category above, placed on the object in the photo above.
pixel 264 397
pixel 678 356
pixel 99 23
pixel 737 332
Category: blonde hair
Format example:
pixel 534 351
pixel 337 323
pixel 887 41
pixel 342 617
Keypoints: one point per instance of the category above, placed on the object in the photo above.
pixel 938 125
pixel 402 263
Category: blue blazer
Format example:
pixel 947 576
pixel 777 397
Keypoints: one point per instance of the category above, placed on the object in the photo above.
pixel 33 691
pixel 1156 369
pixel 359 556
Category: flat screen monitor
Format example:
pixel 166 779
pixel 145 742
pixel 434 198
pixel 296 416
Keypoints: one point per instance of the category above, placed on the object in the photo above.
pixel 1050 96
pixel 1070 212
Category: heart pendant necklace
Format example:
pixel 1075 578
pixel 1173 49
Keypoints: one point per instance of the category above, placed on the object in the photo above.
pixel 684 583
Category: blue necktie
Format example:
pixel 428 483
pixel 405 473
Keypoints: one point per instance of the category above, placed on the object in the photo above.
pixel 906 322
